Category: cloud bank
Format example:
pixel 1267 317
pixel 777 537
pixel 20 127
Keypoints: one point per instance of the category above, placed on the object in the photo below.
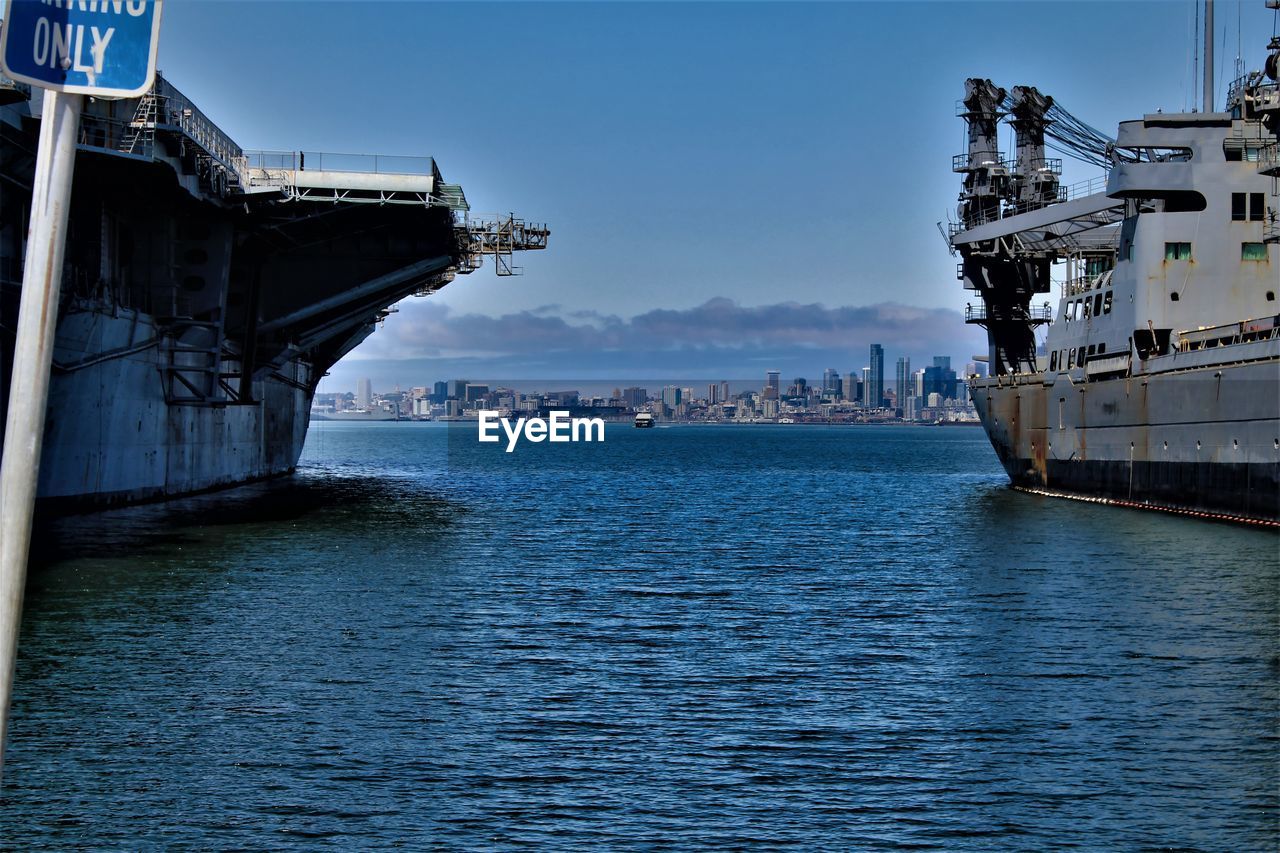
pixel 427 340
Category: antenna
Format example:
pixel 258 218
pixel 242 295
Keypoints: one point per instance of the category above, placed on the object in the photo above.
pixel 1208 104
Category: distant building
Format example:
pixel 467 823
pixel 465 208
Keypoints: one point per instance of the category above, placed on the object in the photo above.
pixel 440 392
pixel 876 394
pixel 713 394
pixel 902 388
pixel 772 384
pixel 724 391
pixel 831 382
pixel 457 389
pixel 940 378
pixel 475 391
pixel 851 387
pixel 634 398
pixel 865 395
pixel 671 396
pixel 364 393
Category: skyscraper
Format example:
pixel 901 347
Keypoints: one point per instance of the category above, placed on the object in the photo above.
pixel 876 396
pixel 830 381
pixel 866 387
pixel 713 394
pixel 851 387
pixel 364 393
pixel 903 386
pixel 940 378
pixel 771 384
pixel 724 391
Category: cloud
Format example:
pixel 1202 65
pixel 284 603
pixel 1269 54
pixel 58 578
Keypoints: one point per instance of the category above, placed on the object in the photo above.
pixel 428 340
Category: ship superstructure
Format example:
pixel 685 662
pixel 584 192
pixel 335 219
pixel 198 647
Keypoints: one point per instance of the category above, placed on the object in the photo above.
pixel 1158 379
pixel 207 289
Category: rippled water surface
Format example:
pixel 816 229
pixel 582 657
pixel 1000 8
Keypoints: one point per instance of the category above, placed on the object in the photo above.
pixel 841 638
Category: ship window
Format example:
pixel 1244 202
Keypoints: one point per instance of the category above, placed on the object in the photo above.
pixel 1253 251
pixel 1071 358
pixel 1086 302
pixel 1257 204
pixel 1106 303
pixel 1102 348
pixel 1092 349
pixel 1177 251
pixel 1053 360
pixel 1097 305
pixel 1237 207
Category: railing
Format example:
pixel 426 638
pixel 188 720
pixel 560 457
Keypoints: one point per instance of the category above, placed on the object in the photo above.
pixel 175 109
pixel 102 132
pixel 1269 159
pixel 1011 313
pixel 1044 164
pixel 1085 283
pixel 1263 91
pixel 323 161
pixel 963 110
pixel 1093 186
pixel 960 162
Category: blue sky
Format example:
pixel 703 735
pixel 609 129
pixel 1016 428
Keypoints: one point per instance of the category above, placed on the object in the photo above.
pixel 756 152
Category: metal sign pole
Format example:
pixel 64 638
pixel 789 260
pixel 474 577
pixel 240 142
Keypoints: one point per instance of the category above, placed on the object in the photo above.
pixel 32 357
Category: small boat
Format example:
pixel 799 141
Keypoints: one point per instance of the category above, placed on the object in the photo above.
pixel 644 420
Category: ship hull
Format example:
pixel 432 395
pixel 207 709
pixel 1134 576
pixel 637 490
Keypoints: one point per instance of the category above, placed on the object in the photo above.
pixel 1190 437
pixel 112 436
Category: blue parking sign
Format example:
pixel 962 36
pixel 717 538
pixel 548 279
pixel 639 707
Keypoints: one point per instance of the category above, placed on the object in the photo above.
pixel 104 48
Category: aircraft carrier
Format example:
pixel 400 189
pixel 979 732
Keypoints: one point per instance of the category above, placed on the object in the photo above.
pixel 207 289
pixel 1157 384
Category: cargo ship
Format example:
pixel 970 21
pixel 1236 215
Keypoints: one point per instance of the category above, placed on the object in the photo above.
pixel 1156 383
pixel 207 289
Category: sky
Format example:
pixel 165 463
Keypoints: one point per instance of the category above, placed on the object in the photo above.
pixel 729 185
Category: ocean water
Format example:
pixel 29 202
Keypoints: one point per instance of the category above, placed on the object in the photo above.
pixel 850 638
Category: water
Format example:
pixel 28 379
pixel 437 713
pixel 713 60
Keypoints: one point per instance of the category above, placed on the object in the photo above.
pixel 842 638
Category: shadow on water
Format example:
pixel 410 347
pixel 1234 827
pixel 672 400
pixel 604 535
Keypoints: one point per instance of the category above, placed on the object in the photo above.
pixel 267 508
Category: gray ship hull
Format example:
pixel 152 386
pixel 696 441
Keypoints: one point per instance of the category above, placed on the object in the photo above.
pixel 111 436
pixel 1196 432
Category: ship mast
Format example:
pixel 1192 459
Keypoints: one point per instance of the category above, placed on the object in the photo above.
pixel 1208 102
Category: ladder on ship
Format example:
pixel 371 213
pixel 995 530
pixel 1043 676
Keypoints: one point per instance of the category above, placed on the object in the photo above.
pixel 140 132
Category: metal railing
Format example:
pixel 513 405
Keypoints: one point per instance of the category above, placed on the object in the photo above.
pixel 174 109
pixel 1011 313
pixel 988 159
pixel 1093 186
pixel 325 161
